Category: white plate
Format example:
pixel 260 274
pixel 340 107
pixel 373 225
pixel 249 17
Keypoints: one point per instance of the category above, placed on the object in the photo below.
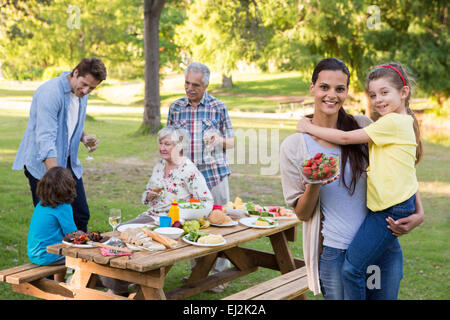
pixel 232 223
pixel 284 217
pixel 132 225
pixel 203 244
pixel 250 222
pixel 86 245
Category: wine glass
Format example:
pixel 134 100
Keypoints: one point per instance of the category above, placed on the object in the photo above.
pixel 207 143
pixel 115 216
pixel 90 142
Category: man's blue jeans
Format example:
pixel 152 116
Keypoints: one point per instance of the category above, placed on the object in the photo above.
pixel 391 267
pixel 370 242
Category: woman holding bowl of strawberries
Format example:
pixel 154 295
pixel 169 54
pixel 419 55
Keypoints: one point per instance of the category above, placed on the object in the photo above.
pixel 333 210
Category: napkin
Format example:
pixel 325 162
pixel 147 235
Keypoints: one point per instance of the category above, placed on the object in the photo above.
pixel 108 252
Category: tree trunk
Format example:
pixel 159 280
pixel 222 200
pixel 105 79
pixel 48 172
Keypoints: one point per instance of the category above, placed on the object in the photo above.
pixel 227 82
pixel 152 102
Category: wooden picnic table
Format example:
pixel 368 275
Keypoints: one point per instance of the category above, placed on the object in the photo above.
pixel 149 269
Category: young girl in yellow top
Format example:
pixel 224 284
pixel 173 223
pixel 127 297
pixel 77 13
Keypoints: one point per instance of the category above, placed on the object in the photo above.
pixel 394 150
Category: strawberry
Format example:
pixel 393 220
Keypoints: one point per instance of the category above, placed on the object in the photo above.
pixel 307 172
pixel 318 156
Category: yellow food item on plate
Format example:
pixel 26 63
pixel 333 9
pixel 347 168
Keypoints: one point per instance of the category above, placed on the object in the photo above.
pixel 211 239
pixel 230 205
pixel 261 223
pixel 237 202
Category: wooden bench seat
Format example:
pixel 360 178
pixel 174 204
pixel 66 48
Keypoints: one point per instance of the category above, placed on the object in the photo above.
pixel 288 286
pixel 28 272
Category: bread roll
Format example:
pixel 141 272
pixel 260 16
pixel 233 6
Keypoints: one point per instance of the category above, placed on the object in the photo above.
pixel 217 217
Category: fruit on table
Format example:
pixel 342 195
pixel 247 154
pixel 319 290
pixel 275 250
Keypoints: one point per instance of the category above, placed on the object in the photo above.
pixel 191 225
pixel 177 224
pixel 203 223
pixel 320 167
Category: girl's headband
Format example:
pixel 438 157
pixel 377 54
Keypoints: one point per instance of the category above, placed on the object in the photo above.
pixel 396 70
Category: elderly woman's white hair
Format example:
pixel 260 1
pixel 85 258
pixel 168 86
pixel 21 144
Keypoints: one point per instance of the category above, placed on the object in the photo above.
pixel 179 137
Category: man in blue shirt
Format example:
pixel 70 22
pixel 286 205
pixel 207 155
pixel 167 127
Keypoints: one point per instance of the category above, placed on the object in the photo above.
pixel 56 127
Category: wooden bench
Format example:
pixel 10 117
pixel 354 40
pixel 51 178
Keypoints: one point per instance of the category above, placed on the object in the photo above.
pixel 28 272
pixel 23 277
pixel 30 279
pixel 288 286
pixel 291 103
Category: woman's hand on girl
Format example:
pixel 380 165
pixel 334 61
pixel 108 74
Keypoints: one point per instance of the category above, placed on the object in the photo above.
pixel 404 225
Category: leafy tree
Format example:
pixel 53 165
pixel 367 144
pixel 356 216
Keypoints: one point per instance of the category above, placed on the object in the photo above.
pixel 414 33
pixel 42 37
pixel 220 33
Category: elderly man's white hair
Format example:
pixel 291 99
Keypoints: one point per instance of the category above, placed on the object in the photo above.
pixel 199 67
pixel 179 136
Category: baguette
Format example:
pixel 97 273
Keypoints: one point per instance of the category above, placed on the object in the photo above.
pixel 169 243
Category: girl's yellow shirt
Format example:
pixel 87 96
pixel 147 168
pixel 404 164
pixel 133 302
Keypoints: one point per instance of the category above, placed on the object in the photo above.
pixel 391 175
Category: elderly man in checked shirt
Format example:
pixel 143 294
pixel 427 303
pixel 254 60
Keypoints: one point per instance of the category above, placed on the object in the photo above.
pixel 209 128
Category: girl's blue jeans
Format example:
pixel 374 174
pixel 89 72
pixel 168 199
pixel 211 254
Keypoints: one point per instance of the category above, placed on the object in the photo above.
pixel 369 244
pixel 391 267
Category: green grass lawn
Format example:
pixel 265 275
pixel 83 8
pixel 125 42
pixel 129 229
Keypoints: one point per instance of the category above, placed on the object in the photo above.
pixel 123 163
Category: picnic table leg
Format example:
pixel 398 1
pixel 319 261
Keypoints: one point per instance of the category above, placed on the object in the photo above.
pixel 202 267
pixel 283 255
pixel 81 278
pixel 148 293
pixel 151 284
pixel 282 251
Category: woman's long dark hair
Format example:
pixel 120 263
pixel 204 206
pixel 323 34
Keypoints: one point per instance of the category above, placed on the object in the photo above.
pixel 357 154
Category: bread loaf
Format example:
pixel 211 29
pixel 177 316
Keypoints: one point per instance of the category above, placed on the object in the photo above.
pixel 217 217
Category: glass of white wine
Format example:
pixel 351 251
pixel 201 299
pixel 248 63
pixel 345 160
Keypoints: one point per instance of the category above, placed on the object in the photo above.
pixel 90 142
pixel 115 216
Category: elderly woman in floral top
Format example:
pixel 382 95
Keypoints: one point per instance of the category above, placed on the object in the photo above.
pixel 174 176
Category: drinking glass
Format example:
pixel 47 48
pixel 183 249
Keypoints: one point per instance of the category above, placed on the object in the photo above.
pixel 115 216
pixel 208 147
pixel 90 143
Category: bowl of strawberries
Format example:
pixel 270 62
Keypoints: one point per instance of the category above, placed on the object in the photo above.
pixel 320 168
